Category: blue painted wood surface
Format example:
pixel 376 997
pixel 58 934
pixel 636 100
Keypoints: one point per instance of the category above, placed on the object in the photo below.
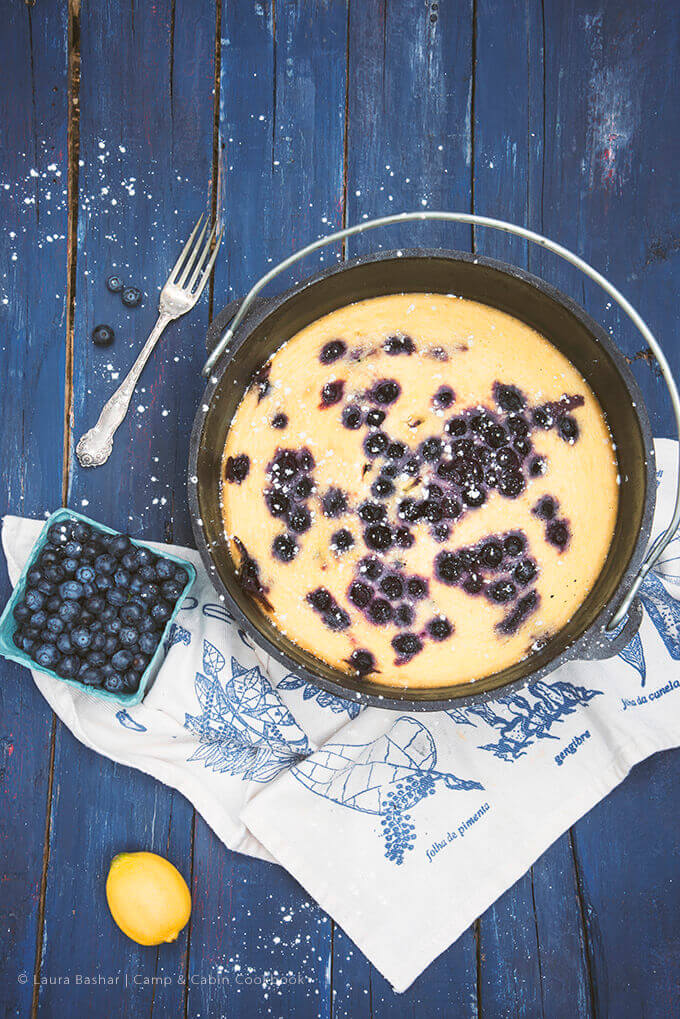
pixel 560 115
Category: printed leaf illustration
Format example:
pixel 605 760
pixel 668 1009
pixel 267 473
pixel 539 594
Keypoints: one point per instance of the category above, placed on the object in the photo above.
pixel 128 722
pixel 386 777
pixel 244 727
pixel 177 635
pixel 633 654
pixel 664 612
pixel 324 699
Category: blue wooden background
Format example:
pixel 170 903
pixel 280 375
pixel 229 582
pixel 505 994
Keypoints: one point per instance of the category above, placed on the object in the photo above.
pixel 561 115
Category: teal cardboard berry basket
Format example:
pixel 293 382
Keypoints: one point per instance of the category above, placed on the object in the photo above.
pixel 8 624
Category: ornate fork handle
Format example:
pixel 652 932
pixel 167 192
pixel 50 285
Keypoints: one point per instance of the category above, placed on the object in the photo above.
pixel 96 445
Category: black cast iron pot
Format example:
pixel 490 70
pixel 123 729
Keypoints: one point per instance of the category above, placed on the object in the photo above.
pixel 270 323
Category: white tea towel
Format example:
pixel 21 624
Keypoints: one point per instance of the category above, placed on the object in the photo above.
pixel 439 813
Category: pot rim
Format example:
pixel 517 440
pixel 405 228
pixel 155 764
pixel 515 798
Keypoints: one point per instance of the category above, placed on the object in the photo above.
pixel 590 640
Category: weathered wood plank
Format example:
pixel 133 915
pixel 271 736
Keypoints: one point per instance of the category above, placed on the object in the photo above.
pixel 409 147
pixel 33 225
pixel 146 128
pixel 282 104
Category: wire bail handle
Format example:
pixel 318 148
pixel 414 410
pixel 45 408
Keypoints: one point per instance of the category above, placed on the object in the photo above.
pixel 660 543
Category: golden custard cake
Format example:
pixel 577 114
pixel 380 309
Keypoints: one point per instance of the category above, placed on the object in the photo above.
pixel 419 489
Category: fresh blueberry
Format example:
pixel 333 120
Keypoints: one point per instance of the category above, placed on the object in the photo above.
pixel 103 335
pixel 96 659
pixel 18 639
pixel 131 680
pixel 98 642
pixel 117 596
pixel 160 612
pixel 68 666
pixel 82 532
pixel 81 638
pixel 181 576
pixel 102 582
pixel 115 683
pixel 144 556
pixel 131 297
pixel 129 561
pixel 122 660
pixel 108 613
pixel 85 574
pixel 128 636
pixel 146 625
pixel 55 624
pixel 21 612
pixel 59 534
pixel 147 643
pixel 54 573
pixel 139 661
pixel 119 545
pixel 131 614
pixel 90 675
pixel 165 569
pixel 114 284
pixel 150 593
pixel 91 550
pixel 111 644
pixel 105 564
pixel 64 643
pixel 46 655
pixel 89 590
pixel 34 600
pixel 71 590
pixel 96 604
pixel 46 587
pixel 121 578
pixel 33 576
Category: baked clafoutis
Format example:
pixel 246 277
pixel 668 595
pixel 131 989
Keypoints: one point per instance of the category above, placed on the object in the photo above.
pixel 419 489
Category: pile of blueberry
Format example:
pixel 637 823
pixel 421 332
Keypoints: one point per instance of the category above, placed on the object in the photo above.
pixel 95 606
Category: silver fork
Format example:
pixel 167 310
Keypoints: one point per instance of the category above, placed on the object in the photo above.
pixel 184 286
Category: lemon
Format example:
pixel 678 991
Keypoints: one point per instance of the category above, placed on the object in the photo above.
pixel 148 897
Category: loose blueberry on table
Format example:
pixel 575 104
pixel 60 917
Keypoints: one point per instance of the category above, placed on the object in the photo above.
pixel 95 606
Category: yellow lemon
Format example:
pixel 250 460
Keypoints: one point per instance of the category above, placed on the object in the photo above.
pixel 148 897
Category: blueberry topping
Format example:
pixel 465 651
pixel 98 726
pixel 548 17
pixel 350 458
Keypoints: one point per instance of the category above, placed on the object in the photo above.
pixel 332 392
pixel 278 504
pixel 511 484
pixel 332 351
pixel 398 344
pixel 375 443
pixel 508 398
pixel 526 605
pixel 103 336
pixel 431 449
pixel 359 594
pixel 537 467
pixel 237 468
pixel 557 533
pixel 502 591
pixel 407 645
pixel 545 508
pixel 447 567
pixel 382 487
pixel 380 611
pixel 456 427
pixel 404 614
pixel 514 545
pixel 280 421
pixel 416 587
pixel 491 554
pixel 114 284
pixel 285 548
pixel 342 540
pixel 334 503
pixel 439 628
pixel 371 567
pixel 395 450
pixel 362 662
pixel 386 392
pixel 351 417
pixel 403 537
pixel 131 297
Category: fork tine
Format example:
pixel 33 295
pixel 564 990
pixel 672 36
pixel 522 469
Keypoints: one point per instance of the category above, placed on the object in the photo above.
pixel 192 256
pixel 201 262
pixel 208 269
pixel 176 267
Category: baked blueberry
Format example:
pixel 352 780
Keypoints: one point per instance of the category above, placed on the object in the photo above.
pixel 392 587
pixel 525 571
pixel 236 469
pixel 385 392
pixel 398 344
pixel 416 587
pixel 567 429
pixel 537 467
pixel 332 392
pixel 372 512
pixel 131 297
pixel 439 628
pixel 404 614
pixel 395 451
pixel 525 605
pixel 542 418
pixel 502 591
pixel 300 520
pixel 447 567
pixel 351 417
pixel 409 509
pixel 371 567
pixel 332 351
pixel 456 427
pixel 431 449
pixel 557 533
pixel 443 398
pixel 403 537
pixel 334 503
pixel 103 336
pixel 523 447
pixel 378 536
pixel 514 544
pixel 375 443
pixel 430 509
pixel 407 644
pixel 511 484
pixel 380 611
pixel 491 554
pixel 280 421
pixel 342 540
pixel 382 487
pixel 362 661
pixel 277 502
pixel 411 467
pixel 518 425
pixel 336 618
pixel 359 594
pixel 545 508
pixel 451 508
pixel 375 418
pixel 285 548
pixel 473 497
pixel 508 398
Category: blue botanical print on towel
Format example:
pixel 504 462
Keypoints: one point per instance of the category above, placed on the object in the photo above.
pixel 522 719
pixel 387 777
pixel 244 727
pixel 177 635
pixel 324 699
pixel 663 610
pixel 128 722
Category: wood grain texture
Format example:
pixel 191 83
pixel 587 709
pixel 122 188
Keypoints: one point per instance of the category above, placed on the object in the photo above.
pixel 282 104
pixel 33 221
pixel 146 127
